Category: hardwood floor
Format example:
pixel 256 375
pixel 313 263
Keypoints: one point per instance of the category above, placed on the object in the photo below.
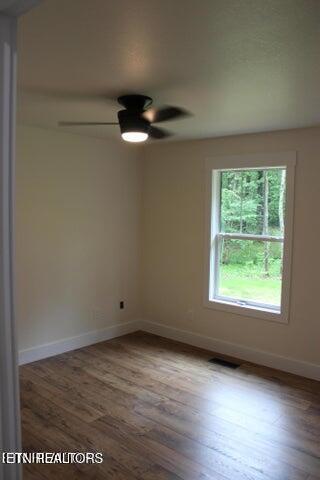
pixel 157 409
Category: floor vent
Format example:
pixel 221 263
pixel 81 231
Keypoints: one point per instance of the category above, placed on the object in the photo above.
pixel 224 363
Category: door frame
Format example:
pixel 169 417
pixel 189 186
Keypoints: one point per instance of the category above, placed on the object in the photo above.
pixel 10 427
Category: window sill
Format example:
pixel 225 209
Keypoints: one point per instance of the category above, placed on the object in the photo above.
pixel 247 310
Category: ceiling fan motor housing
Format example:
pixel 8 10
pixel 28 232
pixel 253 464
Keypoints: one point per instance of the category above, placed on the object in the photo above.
pixel 132 121
pixel 134 102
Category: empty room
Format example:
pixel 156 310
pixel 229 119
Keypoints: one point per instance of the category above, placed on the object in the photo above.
pixel 159 252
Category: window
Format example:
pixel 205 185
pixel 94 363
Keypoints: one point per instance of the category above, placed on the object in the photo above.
pixel 249 244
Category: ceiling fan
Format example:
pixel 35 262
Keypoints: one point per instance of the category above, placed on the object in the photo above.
pixel 137 118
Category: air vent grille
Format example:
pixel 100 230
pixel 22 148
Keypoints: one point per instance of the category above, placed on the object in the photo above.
pixel 224 363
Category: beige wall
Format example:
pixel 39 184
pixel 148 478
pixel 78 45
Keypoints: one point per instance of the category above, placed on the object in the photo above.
pixel 77 234
pixel 173 243
pixel 79 244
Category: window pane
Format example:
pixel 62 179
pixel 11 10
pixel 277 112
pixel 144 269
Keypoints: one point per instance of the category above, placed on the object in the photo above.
pixel 252 201
pixel 251 270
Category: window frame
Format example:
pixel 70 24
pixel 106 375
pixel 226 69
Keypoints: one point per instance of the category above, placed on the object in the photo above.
pixel 214 166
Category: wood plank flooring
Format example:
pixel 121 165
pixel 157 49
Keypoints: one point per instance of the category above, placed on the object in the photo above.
pixel 157 409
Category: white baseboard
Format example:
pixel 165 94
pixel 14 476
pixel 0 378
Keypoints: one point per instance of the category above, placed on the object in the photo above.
pixel 260 357
pixel 291 365
pixel 61 346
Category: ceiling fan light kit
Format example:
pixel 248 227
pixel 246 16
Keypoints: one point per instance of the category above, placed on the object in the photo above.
pixel 134 137
pixel 136 119
pixel 133 126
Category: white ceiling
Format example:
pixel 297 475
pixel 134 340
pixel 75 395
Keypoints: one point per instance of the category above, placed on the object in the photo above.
pixel 237 65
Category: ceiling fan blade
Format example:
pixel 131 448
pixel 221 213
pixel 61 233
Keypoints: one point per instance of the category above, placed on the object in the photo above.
pixel 84 124
pixel 164 114
pixel 158 133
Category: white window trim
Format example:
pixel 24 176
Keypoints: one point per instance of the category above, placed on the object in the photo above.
pixel 261 160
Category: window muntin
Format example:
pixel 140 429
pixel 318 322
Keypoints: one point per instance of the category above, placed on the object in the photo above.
pixel 248 224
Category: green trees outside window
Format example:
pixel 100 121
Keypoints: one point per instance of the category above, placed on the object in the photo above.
pixel 252 202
